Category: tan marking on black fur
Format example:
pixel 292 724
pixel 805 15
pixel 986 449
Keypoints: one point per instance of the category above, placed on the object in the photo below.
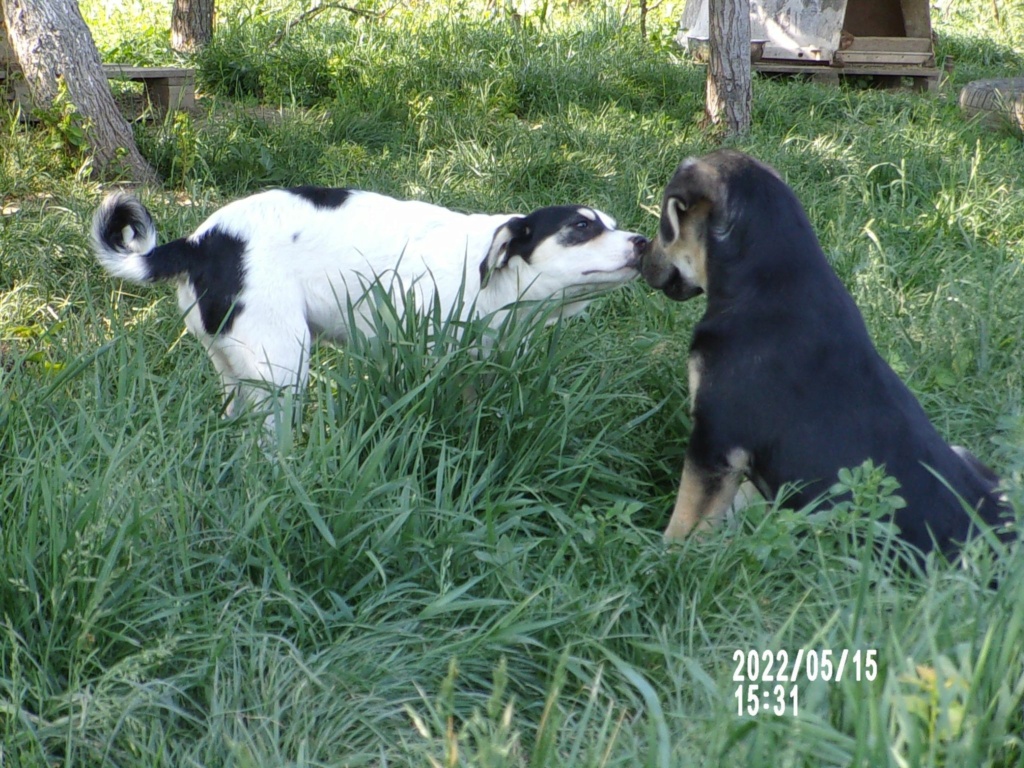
pixel 693 237
pixel 694 369
pixel 687 251
pixel 704 498
pixel 701 502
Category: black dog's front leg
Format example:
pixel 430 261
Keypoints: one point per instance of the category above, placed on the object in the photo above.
pixel 704 494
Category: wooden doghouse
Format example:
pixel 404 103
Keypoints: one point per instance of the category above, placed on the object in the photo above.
pixel 889 39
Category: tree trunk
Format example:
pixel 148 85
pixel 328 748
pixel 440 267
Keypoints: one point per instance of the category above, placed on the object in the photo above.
pixel 52 42
pixel 191 24
pixel 729 92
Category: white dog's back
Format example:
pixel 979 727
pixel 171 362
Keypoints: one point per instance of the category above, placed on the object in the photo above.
pixel 335 254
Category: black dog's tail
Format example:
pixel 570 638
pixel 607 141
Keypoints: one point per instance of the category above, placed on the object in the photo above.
pixel 124 240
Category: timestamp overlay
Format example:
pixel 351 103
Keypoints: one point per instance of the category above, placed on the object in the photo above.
pixel 768 682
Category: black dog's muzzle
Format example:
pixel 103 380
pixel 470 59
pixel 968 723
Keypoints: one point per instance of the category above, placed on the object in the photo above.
pixel 679 289
pixel 666 277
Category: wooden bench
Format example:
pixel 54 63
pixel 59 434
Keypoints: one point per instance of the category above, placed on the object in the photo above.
pixel 166 87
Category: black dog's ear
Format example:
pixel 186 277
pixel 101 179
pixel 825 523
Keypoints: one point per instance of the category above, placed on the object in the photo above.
pixel 695 184
pixel 673 210
pixel 497 257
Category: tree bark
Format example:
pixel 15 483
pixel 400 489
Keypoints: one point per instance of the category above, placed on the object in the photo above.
pixel 729 96
pixel 191 24
pixel 51 42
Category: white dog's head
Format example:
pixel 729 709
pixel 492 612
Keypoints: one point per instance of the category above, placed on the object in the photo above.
pixel 563 251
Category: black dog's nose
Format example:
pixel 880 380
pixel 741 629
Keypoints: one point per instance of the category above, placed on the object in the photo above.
pixel 640 243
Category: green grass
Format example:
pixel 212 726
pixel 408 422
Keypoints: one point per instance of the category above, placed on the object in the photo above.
pixel 423 579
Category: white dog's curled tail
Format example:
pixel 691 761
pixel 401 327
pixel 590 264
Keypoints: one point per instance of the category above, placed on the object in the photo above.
pixel 124 237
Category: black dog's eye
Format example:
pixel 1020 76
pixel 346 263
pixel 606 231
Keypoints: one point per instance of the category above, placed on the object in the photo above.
pixel 583 224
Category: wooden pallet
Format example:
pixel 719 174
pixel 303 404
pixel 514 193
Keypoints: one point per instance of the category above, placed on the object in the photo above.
pixel 895 57
pixel 886 50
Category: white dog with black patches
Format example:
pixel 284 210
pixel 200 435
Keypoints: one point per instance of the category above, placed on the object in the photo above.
pixel 265 275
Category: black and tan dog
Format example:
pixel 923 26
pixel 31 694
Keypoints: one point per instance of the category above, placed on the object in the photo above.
pixel 785 384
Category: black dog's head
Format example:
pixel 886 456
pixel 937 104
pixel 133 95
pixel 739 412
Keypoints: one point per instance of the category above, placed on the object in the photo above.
pixel 700 205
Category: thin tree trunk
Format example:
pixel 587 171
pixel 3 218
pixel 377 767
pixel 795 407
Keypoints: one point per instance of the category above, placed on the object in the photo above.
pixel 52 43
pixel 191 24
pixel 728 91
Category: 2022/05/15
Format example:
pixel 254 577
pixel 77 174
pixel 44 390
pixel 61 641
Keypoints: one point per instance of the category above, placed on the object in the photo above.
pixel 767 682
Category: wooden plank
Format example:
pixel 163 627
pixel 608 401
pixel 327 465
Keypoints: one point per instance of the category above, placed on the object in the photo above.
pixel 897 70
pixel 791 53
pixel 119 72
pixel 811 68
pixel 785 66
pixel 902 44
pixel 125 72
pixel 913 58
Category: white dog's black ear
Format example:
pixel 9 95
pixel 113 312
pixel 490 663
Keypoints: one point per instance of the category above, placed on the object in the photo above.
pixel 497 257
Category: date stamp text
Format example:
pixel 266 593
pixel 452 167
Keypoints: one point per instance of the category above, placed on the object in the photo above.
pixel 768 682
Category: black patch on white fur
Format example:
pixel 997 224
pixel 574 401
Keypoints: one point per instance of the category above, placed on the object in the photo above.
pixel 127 213
pixel 322 197
pixel 216 272
pixel 570 224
